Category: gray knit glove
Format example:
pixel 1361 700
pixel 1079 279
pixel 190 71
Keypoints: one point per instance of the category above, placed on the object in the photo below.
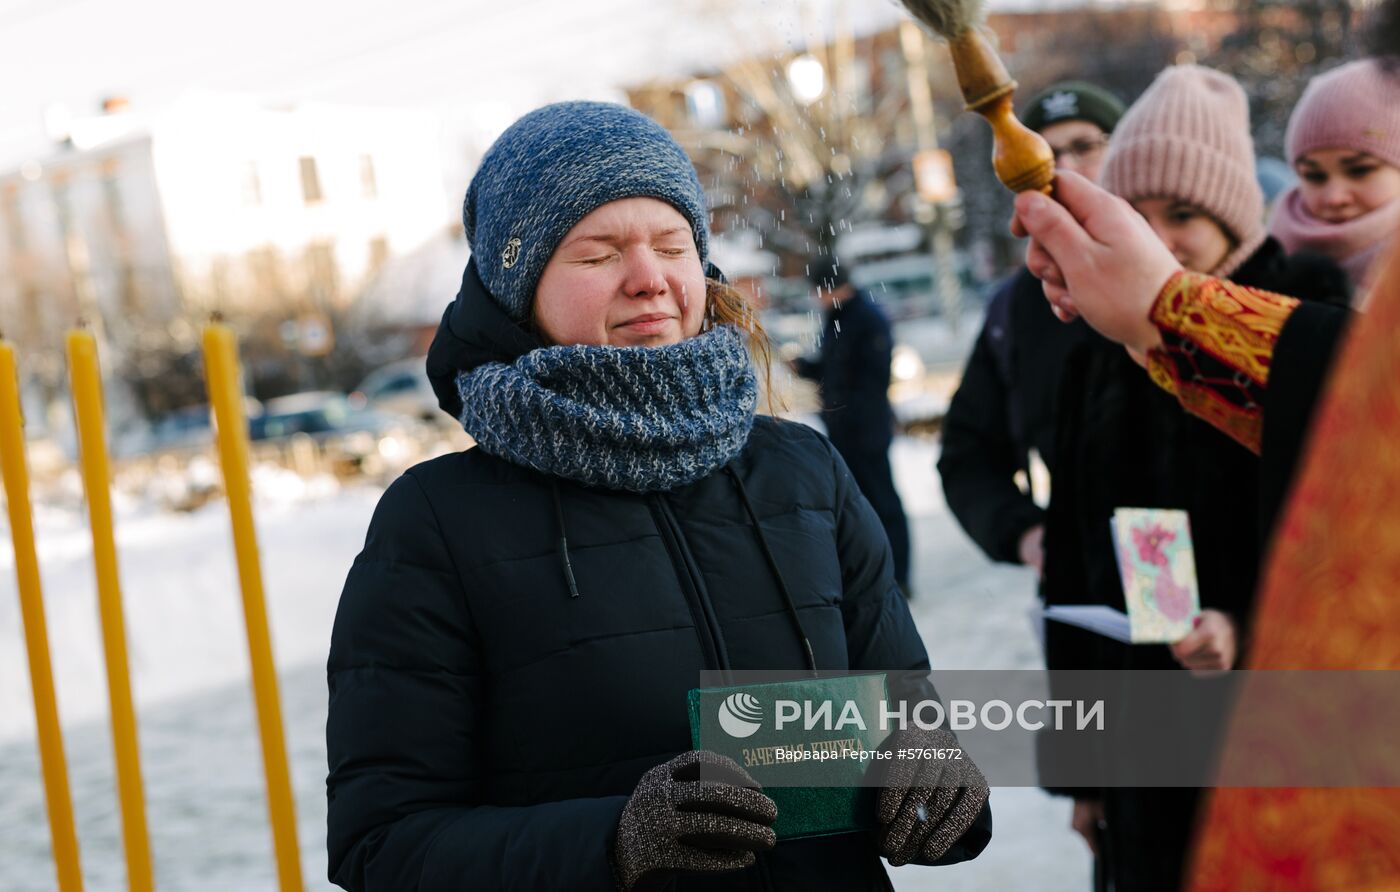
pixel 676 822
pixel 927 803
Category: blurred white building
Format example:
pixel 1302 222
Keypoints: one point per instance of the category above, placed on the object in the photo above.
pixel 146 225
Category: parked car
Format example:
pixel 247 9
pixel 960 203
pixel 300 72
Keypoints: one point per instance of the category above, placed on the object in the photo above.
pixel 400 387
pixel 188 429
pixel 350 439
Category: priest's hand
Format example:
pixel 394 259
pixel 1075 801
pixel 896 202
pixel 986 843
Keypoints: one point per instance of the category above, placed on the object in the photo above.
pixel 1096 257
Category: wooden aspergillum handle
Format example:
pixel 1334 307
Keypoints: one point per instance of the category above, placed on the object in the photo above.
pixel 1021 157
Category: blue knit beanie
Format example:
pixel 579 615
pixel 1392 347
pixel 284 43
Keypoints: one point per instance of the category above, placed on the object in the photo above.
pixel 553 167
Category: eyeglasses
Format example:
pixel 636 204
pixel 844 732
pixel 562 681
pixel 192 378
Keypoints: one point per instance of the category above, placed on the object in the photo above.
pixel 1080 149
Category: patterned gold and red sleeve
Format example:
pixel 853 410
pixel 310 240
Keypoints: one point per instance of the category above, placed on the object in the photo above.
pixel 1218 341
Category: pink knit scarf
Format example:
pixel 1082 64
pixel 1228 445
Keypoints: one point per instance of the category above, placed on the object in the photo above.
pixel 1355 245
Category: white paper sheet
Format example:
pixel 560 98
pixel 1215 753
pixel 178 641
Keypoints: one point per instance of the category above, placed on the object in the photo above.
pixel 1097 618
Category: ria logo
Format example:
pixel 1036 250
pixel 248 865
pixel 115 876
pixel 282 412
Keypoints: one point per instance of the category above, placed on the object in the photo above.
pixel 740 714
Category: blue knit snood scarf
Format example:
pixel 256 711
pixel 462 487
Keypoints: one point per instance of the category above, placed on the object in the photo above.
pixel 642 419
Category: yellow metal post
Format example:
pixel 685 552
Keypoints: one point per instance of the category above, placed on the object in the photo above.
pixel 92 447
pixel 225 395
pixel 36 636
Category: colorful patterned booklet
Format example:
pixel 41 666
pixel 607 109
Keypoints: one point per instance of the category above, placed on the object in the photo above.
pixel 1158 566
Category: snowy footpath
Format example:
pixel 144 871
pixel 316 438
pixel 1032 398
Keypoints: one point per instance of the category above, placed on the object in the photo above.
pixel 200 754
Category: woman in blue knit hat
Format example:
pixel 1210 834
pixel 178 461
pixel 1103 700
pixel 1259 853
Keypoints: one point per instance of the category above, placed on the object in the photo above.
pixel 513 648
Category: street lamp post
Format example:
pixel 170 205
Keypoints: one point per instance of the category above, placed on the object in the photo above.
pixel 932 159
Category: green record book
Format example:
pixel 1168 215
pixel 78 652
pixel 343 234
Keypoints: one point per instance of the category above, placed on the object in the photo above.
pixel 818 794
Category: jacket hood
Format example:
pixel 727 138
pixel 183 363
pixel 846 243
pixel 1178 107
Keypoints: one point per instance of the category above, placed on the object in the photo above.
pixel 474 331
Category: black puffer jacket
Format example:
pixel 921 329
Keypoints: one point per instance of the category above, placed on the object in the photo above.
pixel 486 727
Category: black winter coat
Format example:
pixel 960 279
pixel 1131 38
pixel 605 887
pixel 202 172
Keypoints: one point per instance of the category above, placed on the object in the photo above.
pixel 1301 363
pixel 1122 441
pixel 486 728
pixel 853 372
pixel 1004 407
pixel 1125 442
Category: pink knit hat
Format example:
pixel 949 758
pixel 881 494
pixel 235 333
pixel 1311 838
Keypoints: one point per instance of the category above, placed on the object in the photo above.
pixel 1356 106
pixel 1187 138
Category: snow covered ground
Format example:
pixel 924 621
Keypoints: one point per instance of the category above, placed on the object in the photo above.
pixel 199 745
